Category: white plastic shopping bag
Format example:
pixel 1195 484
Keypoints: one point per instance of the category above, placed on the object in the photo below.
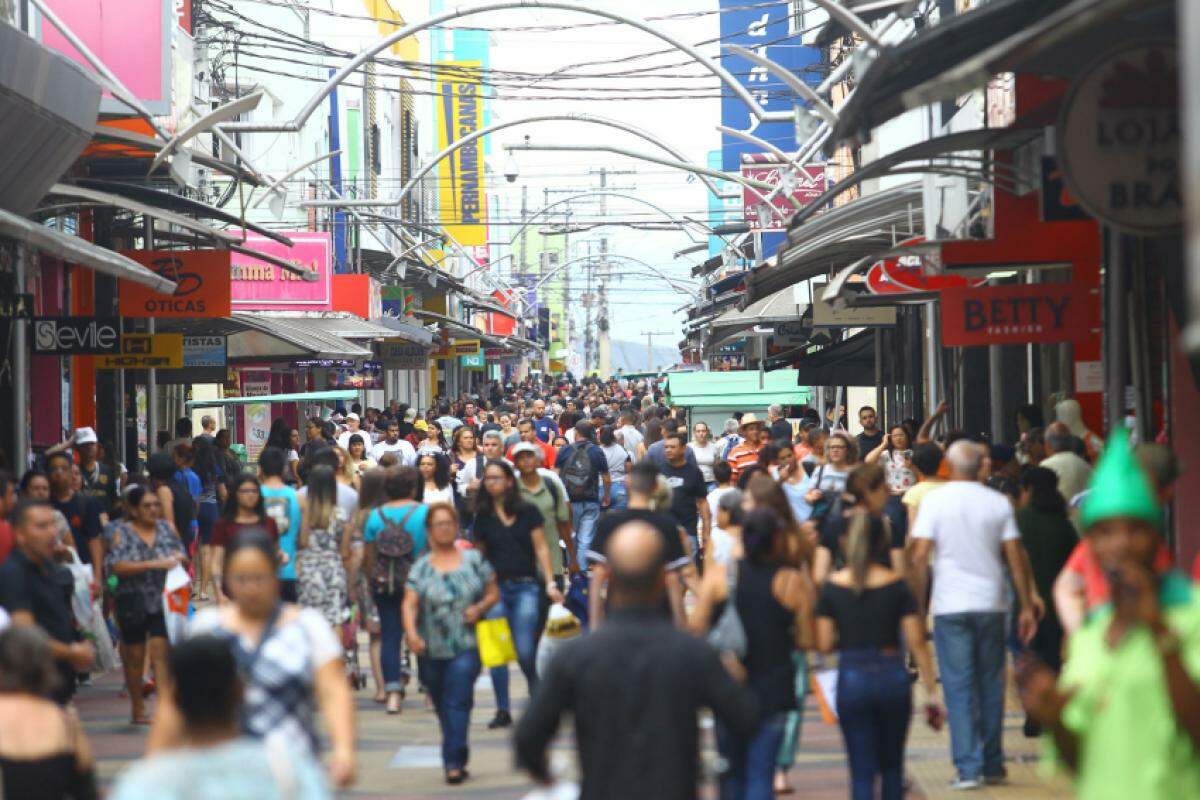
pixel 81 591
pixel 106 652
pixel 177 595
pixel 561 627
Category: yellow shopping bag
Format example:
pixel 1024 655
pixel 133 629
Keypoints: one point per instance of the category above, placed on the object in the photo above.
pixel 495 642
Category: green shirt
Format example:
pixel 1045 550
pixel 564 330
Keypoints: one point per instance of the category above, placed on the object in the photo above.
pixel 552 502
pixel 443 599
pixel 1130 745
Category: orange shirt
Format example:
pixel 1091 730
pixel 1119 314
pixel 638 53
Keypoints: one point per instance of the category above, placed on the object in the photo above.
pixel 741 457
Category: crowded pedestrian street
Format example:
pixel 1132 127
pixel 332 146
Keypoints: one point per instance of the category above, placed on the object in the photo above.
pixel 599 399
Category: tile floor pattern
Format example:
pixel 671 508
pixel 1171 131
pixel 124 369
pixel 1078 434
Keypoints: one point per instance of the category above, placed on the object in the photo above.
pixel 398 756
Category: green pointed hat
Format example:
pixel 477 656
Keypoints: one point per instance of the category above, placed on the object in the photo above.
pixel 1120 487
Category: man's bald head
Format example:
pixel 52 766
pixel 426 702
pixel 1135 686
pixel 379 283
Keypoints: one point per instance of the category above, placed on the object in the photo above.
pixel 635 561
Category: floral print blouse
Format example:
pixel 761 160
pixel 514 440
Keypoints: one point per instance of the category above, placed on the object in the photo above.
pixel 126 545
pixel 443 598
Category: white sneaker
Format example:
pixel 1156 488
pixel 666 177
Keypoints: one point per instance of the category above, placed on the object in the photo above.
pixel 965 784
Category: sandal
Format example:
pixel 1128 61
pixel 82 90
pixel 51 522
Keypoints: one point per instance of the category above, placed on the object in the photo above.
pixel 394 700
pixel 456 776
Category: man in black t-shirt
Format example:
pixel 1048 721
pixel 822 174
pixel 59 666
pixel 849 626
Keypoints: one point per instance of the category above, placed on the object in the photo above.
pixel 82 513
pixel 675 561
pixel 689 493
pixel 872 435
pixel 35 590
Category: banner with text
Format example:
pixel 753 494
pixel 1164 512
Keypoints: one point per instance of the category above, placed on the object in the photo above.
pixel 1015 314
pixel 461 184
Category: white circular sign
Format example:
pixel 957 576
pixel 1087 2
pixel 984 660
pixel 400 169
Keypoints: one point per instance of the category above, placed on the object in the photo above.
pixel 1119 139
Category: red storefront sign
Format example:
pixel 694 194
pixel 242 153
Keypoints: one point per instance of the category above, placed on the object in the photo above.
pixel 1017 314
pixel 202 284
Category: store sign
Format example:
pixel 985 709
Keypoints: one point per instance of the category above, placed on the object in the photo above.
pixel 76 336
pixel 465 347
pixel 1017 314
pixel 1119 138
pixel 204 351
pixel 201 284
pixel 324 363
pixel 826 316
pixel 397 301
pixel 471 362
pixel 260 286
pixel 146 351
pixel 401 354
pixel 912 273
pixel 367 376
pixel 792 191
pixel 16 306
pixel 461 188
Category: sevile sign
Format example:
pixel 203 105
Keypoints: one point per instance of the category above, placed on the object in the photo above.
pixel 261 286
pixel 1017 314
pixel 76 336
pixel 1119 138
pixel 201 284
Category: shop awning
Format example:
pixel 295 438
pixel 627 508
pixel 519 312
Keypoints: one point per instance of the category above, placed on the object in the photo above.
pixel 48 105
pixel 850 362
pixel 743 390
pixel 455 326
pixel 488 304
pixel 931 156
pixel 868 11
pixel 295 397
pixel 348 327
pixel 835 238
pixel 80 251
pixel 283 338
pixel 883 91
pixel 224 238
pixel 1052 45
pixel 779 307
pixel 110 140
pixel 400 329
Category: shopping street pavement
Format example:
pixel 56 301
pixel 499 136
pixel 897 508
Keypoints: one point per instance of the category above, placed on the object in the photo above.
pixel 399 755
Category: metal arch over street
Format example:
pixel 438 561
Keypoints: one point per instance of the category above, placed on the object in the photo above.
pixel 366 55
pixel 425 169
pixel 672 282
pixel 598 193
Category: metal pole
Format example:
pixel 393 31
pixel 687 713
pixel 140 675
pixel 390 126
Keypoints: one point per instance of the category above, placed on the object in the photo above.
pixel 933 358
pixel 151 375
pixel 879 404
pixel 996 404
pixel 20 364
pixel 1116 325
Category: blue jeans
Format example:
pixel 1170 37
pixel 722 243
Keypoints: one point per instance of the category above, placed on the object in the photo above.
pixel 584 513
pixel 391 636
pixel 750 763
pixel 874 706
pixel 618 497
pixel 451 686
pixel 499 674
pixel 970 653
pixel 522 608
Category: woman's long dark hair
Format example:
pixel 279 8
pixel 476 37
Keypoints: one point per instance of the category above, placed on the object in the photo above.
pixel 608 435
pixel 205 464
pixel 229 513
pixel 280 435
pixel 1043 485
pixel 761 529
pixel 510 500
pixel 441 472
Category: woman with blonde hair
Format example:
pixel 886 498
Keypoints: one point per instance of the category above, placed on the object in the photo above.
pixel 347 470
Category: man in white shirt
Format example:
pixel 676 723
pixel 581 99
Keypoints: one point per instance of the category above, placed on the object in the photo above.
pixel 629 436
pixel 1073 472
pixel 392 443
pixel 974 532
pixel 353 426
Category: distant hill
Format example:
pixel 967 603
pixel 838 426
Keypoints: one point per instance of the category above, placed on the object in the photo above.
pixel 631 356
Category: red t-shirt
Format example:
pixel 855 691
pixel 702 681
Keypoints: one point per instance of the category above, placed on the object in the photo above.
pixel 1196 569
pixel 7 540
pixel 223 532
pixel 1095 585
pixel 548 453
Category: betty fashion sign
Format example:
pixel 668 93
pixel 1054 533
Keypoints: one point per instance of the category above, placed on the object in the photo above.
pixel 1015 314
pixel 1119 142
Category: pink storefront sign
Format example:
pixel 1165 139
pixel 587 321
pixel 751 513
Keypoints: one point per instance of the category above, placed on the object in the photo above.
pixel 131 37
pixel 260 286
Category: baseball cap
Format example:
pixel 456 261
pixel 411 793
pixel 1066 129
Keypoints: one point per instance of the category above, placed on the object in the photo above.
pixel 352 416
pixel 86 436
pixel 526 447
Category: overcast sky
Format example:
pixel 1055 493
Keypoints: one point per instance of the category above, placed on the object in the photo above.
pixel 637 303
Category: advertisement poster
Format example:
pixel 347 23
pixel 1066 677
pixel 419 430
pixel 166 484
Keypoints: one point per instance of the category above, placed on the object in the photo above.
pixel 461 183
pixel 368 376
pixel 258 427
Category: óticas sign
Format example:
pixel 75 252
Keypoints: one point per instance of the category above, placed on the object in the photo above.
pixel 1016 314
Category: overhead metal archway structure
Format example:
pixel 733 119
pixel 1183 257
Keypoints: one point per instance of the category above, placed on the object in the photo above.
pixel 370 52
pixel 453 147
pixel 621 195
pixel 670 281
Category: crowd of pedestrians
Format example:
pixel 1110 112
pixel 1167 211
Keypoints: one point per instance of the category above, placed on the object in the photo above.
pixel 718 572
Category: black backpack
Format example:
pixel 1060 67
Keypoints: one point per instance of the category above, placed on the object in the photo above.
pixel 578 472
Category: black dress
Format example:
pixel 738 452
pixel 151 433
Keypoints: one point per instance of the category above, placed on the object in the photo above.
pixel 769 638
pixel 55 777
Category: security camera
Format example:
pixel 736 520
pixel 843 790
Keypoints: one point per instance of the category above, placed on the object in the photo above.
pixel 511 169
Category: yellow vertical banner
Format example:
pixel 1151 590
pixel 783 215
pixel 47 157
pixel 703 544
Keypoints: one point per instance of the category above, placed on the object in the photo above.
pixel 461 188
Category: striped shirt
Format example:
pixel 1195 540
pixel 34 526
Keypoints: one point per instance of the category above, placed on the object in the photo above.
pixel 741 457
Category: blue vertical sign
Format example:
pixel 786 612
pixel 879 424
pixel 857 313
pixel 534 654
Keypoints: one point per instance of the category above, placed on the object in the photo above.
pixel 766 29
pixel 341 260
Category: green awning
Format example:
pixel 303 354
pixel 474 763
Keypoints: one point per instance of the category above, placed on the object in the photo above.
pixel 295 397
pixel 737 390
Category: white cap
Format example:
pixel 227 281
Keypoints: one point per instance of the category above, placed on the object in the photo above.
pixel 352 416
pixel 526 447
pixel 86 436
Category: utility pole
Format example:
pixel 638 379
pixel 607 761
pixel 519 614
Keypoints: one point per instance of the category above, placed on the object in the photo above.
pixel 650 346
pixel 603 340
